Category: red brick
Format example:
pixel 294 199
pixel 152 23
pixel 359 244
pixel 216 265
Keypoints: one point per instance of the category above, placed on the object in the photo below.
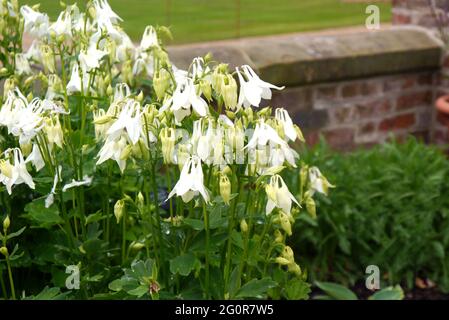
pixel 413 100
pixel 350 90
pixel 402 121
pixel 328 92
pixel 367 128
pixel 443 119
pixel 371 88
pixel 341 138
pixel 399 18
pixel 343 114
pixel 373 109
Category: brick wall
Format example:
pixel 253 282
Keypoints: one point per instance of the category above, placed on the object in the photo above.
pixel 418 12
pixel 354 89
pixel 362 112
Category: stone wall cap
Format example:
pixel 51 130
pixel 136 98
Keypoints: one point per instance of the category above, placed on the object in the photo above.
pixel 306 59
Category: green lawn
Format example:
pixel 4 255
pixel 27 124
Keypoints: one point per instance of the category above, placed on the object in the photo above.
pixel 200 20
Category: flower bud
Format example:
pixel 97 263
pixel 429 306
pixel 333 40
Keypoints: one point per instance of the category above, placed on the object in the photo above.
pixel 161 82
pixel 48 59
pixel 4 251
pixel 6 168
pixel 225 188
pixel 284 220
pixel 119 209
pixel 6 224
pixel 278 237
pixel 311 206
pixel 243 226
pixel 168 139
pixel 140 200
pixel 229 92
pixel 126 152
pixel 206 89
pixel 137 246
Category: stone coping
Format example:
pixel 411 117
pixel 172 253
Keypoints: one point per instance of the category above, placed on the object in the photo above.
pixel 306 59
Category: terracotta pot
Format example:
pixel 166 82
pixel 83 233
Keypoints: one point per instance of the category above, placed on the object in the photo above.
pixel 442 105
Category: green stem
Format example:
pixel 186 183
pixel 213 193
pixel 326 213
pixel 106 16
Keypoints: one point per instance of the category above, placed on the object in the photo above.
pixel 2 283
pixel 206 228
pixel 124 238
pixel 11 281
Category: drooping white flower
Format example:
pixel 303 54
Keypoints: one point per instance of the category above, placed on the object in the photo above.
pixel 34 52
pixel 22 65
pixel 191 181
pixel 129 119
pixel 149 39
pixel 318 182
pixel 265 136
pixel 85 182
pixel 23 119
pixel 35 157
pixel 76 84
pixel 103 9
pixel 49 200
pixel 113 149
pixel 278 195
pixel 63 25
pixel 283 117
pixel 253 89
pixel 90 58
pixel 13 170
pixel 184 98
pixel 35 23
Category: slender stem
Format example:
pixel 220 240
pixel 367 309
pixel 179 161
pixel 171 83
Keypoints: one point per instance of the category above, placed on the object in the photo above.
pixel 2 283
pixel 124 237
pixel 11 281
pixel 206 228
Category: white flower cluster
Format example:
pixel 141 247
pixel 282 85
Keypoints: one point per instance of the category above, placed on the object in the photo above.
pixel 198 118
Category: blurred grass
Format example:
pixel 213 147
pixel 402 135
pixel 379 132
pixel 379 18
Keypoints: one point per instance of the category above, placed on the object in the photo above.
pixel 203 20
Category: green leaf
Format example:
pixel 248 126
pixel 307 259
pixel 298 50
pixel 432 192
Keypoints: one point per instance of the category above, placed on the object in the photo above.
pixel 183 265
pixel 297 289
pixel 15 234
pixel 336 291
pixel 439 249
pixel 116 285
pixel 44 217
pixel 256 288
pixel 390 293
pixel 196 224
pixel 49 294
pixel 94 218
pixel 139 291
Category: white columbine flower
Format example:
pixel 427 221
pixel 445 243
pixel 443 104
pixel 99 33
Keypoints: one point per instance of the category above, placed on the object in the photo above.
pixel 63 25
pixel 35 23
pixel 13 170
pixel 253 89
pixel 149 39
pixel 289 129
pixel 90 58
pixel 35 157
pixel 76 83
pixel 103 9
pixel 113 149
pixel 85 182
pixel 129 119
pixel 318 182
pixel 184 97
pixel 278 195
pixel 49 200
pixel 22 65
pixel 191 181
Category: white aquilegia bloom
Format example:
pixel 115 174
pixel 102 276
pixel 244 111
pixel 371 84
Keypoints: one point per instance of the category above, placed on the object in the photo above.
pixel 129 119
pixel 278 195
pixel 35 157
pixel 13 170
pixel 35 23
pixel 90 58
pixel 103 9
pixel 50 199
pixel 284 118
pixel 318 182
pixel 191 181
pixel 185 97
pixel 76 84
pixel 85 182
pixel 149 39
pixel 114 149
pixel 253 89
pixel 63 25
pixel 265 136
pixel 22 65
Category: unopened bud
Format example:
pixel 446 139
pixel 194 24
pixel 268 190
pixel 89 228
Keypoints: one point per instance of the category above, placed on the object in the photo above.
pixel 206 89
pixel 4 251
pixel 243 226
pixel 6 224
pixel 137 246
pixel 119 210
pixel 225 188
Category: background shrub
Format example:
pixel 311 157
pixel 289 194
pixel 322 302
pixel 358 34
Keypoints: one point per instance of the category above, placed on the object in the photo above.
pixel 389 208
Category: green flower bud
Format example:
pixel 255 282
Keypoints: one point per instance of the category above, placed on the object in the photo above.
pixel 4 251
pixel 243 226
pixel 6 224
pixel 137 246
pixel 119 209
pixel 225 188
pixel 206 89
